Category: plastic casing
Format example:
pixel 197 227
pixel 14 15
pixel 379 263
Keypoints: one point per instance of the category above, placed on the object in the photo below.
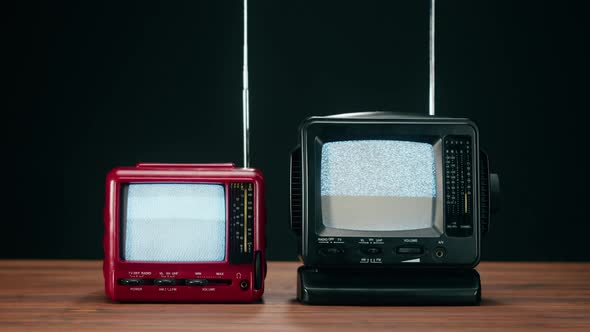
pixel 115 268
pixel 462 253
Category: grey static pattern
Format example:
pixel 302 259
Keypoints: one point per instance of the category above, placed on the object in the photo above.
pixel 378 168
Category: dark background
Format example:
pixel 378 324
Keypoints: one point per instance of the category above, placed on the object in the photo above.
pixel 99 84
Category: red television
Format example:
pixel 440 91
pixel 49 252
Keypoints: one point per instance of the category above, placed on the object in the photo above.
pixel 184 233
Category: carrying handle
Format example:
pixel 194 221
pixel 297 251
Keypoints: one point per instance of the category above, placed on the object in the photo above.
pixel 184 166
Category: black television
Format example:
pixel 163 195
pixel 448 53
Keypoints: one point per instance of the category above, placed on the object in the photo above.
pixel 381 199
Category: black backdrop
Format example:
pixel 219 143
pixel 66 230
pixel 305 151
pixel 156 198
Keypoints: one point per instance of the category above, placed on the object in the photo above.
pixel 103 84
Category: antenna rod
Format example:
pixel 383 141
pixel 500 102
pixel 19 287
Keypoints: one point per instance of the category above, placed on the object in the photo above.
pixel 431 61
pixel 246 93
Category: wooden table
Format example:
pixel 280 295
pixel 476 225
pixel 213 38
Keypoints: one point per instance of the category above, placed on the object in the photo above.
pixel 68 295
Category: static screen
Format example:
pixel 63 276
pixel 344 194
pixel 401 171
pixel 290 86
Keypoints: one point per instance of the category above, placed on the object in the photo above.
pixel 378 185
pixel 174 223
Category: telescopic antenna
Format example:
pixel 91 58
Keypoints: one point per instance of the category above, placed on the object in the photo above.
pixel 246 93
pixel 431 61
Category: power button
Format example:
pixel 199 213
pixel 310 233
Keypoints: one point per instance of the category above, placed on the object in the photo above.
pixel 130 282
pixel 330 251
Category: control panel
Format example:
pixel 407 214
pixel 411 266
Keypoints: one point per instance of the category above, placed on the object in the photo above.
pixel 241 222
pixel 173 282
pixel 458 186
pixel 381 251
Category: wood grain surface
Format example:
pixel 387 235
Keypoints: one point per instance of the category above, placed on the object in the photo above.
pixel 68 295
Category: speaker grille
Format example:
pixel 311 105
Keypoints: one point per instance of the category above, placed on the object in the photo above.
pixel 484 189
pixel 296 191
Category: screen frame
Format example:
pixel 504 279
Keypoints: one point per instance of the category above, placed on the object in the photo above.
pixel 437 226
pixel 120 229
pixel 314 131
pixel 123 201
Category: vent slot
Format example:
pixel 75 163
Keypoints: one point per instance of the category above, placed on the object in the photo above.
pixel 484 190
pixel 296 191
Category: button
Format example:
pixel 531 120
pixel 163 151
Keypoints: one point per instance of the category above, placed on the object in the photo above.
pixel 331 251
pixel 196 282
pixel 130 282
pixel 372 251
pixel 409 250
pixel 164 282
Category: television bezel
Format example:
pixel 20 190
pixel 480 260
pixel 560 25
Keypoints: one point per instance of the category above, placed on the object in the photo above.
pixel 122 227
pixel 437 225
